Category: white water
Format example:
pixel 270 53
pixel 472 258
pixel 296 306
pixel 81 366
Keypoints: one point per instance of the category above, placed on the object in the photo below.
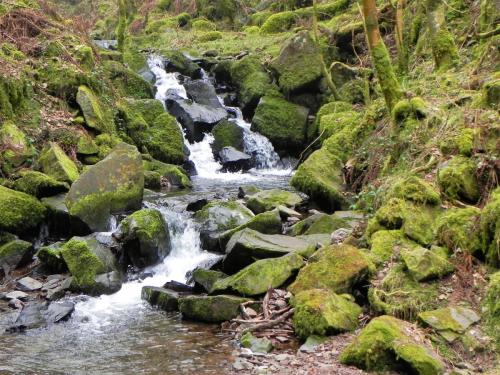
pixel 185 256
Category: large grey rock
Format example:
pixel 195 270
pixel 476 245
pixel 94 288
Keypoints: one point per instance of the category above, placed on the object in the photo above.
pixel 38 315
pixel 248 245
pixel 28 284
pixel 233 160
pixel 113 185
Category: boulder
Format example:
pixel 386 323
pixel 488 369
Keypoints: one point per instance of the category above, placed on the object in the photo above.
pixel 410 188
pixel 59 220
pixel 317 224
pixel 113 185
pixel 317 240
pixel 93 266
pixel 55 163
pixel 338 268
pixel 233 160
pixel 246 246
pixel 298 64
pixel 256 345
pixel 457 228
pixel 259 276
pixel 28 284
pixel 145 238
pixel 218 217
pixel 95 114
pixel 424 264
pixel 15 149
pixel 490 229
pixel 164 299
pixel 449 322
pixel 152 129
pixel 322 312
pixel 176 61
pixel 387 343
pixel 267 200
pixel 168 175
pixel 227 134
pixel 283 123
pixel 384 244
pixel 51 258
pixel 321 178
pixel 19 212
pixel 40 314
pixel 210 309
pixel 14 253
pixel 202 92
pixel 204 279
pixel 457 179
pixel 86 146
pixel 39 184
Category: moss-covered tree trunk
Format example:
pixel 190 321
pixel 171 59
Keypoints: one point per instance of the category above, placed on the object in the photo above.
pixel 402 48
pixel 490 14
pixel 443 46
pixel 380 56
pixel 122 24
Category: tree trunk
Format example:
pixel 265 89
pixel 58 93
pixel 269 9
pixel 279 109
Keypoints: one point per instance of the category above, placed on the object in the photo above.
pixel 443 46
pixel 380 56
pixel 122 25
pixel 400 45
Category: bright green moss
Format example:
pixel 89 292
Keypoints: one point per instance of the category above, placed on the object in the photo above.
pixel 106 143
pixel 85 56
pixel 317 224
pixel 333 123
pixel 321 312
pixel 267 200
pixel 19 212
pixel 203 25
pixel 127 82
pixel 424 264
pixel 491 92
pixel 209 36
pixel 210 309
pixel 55 163
pixel 411 188
pixel 15 149
pixel 39 184
pixel 444 49
pixel 414 108
pixel 173 173
pixel 96 116
pixel 268 222
pixel 279 22
pixel 227 134
pixel 147 223
pixel 458 180
pixel 490 229
pixel 383 245
pixel 13 95
pixel 491 305
pixel 458 228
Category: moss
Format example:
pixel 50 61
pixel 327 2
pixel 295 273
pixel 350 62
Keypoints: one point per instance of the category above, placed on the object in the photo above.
pixel 106 143
pixel 284 123
pixel 15 253
pixel 85 56
pixel 411 188
pixel 227 134
pixel 333 123
pixel 457 179
pixel 335 268
pixel 256 345
pixel 96 117
pixel 398 294
pixel 383 245
pixel 14 93
pixel 490 229
pixel 318 223
pixel 491 308
pixel 414 108
pixel 419 224
pixel 82 263
pixel 279 22
pixel 321 312
pixel 392 214
pixel 86 146
pixel 19 212
pixel 39 184
pixel 203 25
pixel 206 278
pixel 444 49
pixel 424 264
pixel 210 309
pixel 174 174
pixel 261 275
pixel 55 163
pixel 127 82
pixel 491 92
pixel 147 224
pixel 15 149
pixel 251 29
pixel 268 222
pixel 209 36
pixel 51 258
pixel 458 228
pixel 267 200
pixel 385 344
pixel 320 177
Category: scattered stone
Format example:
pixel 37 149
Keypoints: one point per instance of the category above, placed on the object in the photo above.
pixel 312 343
pixel 17 294
pixel 16 303
pixel 257 345
pixel 424 264
pixel 29 284
pixel 233 160
pixel 450 322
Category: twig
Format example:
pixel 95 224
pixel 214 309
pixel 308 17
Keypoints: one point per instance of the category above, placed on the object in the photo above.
pixel 265 306
pixel 270 323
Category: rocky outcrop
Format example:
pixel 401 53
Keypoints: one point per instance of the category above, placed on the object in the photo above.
pixel 113 185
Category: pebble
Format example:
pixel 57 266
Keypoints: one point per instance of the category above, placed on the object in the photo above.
pixel 29 284
pixel 17 294
pixel 16 304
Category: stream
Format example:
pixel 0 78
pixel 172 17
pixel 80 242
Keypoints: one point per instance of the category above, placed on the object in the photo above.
pixel 120 333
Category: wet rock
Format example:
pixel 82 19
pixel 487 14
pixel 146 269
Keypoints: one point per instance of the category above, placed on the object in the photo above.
pixel 248 245
pixel 16 304
pixel 233 160
pixel 259 276
pixel 59 290
pixel 210 309
pixel 178 287
pixel 164 299
pixel 14 253
pixel 450 322
pixel 145 238
pixel 59 311
pixel 176 61
pixel 321 312
pixel 256 345
pixel 267 200
pixel 59 220
pixel 244 191
pixel 390 343
pixel 40 314
pixel 197 205
pixel 205 279
pixel 113 185
pixel 29 284
pixel 202 92
pixel 17 294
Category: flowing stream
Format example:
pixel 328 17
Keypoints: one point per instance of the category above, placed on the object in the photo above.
pixel 119 333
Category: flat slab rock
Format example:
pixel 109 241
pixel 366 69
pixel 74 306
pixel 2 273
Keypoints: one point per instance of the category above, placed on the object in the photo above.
pixel 450 322
pixel 29 284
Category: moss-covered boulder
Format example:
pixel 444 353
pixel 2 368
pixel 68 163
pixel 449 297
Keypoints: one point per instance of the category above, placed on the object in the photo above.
pixel 258 277
pixel 55 163
pixel 14 253
pixel 210 309
pixel 284 123
pixel 458 228
pixel 384 244
pixel 51 258
pixel 152 129
pixel 317 224
pixel 246 246
pixel 399 294
pixel 491 307
pixel 449 322
pixel 387 343
pixel 490 229
pixel 337 268
pixel 39 184
pixel 113 185
pixel 410 188
pixel 93 266
pixel 165 175
pixel 227 134
pixel 164 299
pixel 267 200
pixel 86 146
pixel 127 82
pixel 322 312
pixel 424 264
pixel 298 64
pixel 457 179
pixel 19 212
pixel 252 80
pixel 145 238
pixel 333 123
pixel 176 61
pixel 321 178
pixel 219 216
pixel 14 147
pixel 95 113
pixel 204 279
pixel 256 345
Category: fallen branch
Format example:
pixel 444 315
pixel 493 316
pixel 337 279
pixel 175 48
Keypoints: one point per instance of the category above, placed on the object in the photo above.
pixel 270 323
